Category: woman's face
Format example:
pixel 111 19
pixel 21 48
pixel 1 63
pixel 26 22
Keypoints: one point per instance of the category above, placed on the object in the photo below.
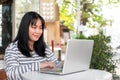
pixel 35 31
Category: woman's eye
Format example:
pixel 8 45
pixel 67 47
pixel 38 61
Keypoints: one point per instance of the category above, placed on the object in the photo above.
pixel 40 27
pixel 34 27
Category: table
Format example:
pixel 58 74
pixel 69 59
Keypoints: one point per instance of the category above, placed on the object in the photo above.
pixel 91 74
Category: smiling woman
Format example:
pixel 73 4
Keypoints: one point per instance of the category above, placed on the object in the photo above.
pixel 28 51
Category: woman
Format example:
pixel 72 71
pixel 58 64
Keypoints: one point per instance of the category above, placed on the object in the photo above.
pixel 28 52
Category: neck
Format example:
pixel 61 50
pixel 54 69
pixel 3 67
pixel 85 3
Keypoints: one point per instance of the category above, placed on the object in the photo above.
pixel 31 45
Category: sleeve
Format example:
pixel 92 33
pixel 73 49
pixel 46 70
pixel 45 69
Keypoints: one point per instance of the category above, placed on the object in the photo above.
pixel 51 57
pixel 13 68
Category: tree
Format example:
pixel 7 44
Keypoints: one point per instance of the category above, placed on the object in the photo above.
pixel 90 11
pixel 92 17
pixel 102 53
pixel 68 13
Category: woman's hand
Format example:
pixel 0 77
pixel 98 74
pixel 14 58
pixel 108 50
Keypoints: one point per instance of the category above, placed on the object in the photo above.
pixel 47 65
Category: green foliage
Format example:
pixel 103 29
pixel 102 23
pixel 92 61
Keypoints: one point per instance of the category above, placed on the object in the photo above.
pixel 92 16
pixel 102 53
pixel 68 13
pixel 90 13
pixel 80 36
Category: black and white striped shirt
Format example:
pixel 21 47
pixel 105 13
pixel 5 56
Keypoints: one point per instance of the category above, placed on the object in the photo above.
pixel 17 64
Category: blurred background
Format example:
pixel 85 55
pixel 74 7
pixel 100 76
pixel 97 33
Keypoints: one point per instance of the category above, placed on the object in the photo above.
pixel 69 19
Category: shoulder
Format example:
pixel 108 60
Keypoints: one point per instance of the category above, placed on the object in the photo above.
pixel 49 52
pixel 48 49
pixel 11 49
pixel 12 45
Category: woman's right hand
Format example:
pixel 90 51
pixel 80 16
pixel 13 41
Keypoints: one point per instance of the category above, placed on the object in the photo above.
pixel 47 65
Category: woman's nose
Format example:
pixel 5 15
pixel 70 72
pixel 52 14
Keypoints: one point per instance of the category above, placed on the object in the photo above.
pixel 38 30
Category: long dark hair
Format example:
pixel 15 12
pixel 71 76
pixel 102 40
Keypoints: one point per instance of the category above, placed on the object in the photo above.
pixel 23 36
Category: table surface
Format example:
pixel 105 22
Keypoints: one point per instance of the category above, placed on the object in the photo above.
pixel 90 74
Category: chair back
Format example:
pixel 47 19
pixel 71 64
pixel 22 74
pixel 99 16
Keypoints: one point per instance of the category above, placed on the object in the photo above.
pixel 3 75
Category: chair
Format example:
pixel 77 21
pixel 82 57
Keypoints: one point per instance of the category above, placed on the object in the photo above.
pixel 3 75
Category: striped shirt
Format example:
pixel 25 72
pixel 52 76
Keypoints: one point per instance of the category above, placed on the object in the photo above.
pixel 17 64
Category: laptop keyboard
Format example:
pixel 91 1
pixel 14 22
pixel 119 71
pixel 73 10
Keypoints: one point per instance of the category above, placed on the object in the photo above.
pixel 56 70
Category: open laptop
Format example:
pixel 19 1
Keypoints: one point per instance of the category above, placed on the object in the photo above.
pixel 77 57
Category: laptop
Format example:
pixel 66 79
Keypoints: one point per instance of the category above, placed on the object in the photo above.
pixel 77 57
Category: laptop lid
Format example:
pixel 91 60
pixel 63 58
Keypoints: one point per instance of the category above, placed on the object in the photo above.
pixel 78 55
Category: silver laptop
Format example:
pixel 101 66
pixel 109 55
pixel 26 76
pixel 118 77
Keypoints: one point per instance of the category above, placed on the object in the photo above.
pixel 77 57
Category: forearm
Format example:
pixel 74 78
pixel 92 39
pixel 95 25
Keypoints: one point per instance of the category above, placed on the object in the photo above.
pixel 14 67
pixel 15 71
